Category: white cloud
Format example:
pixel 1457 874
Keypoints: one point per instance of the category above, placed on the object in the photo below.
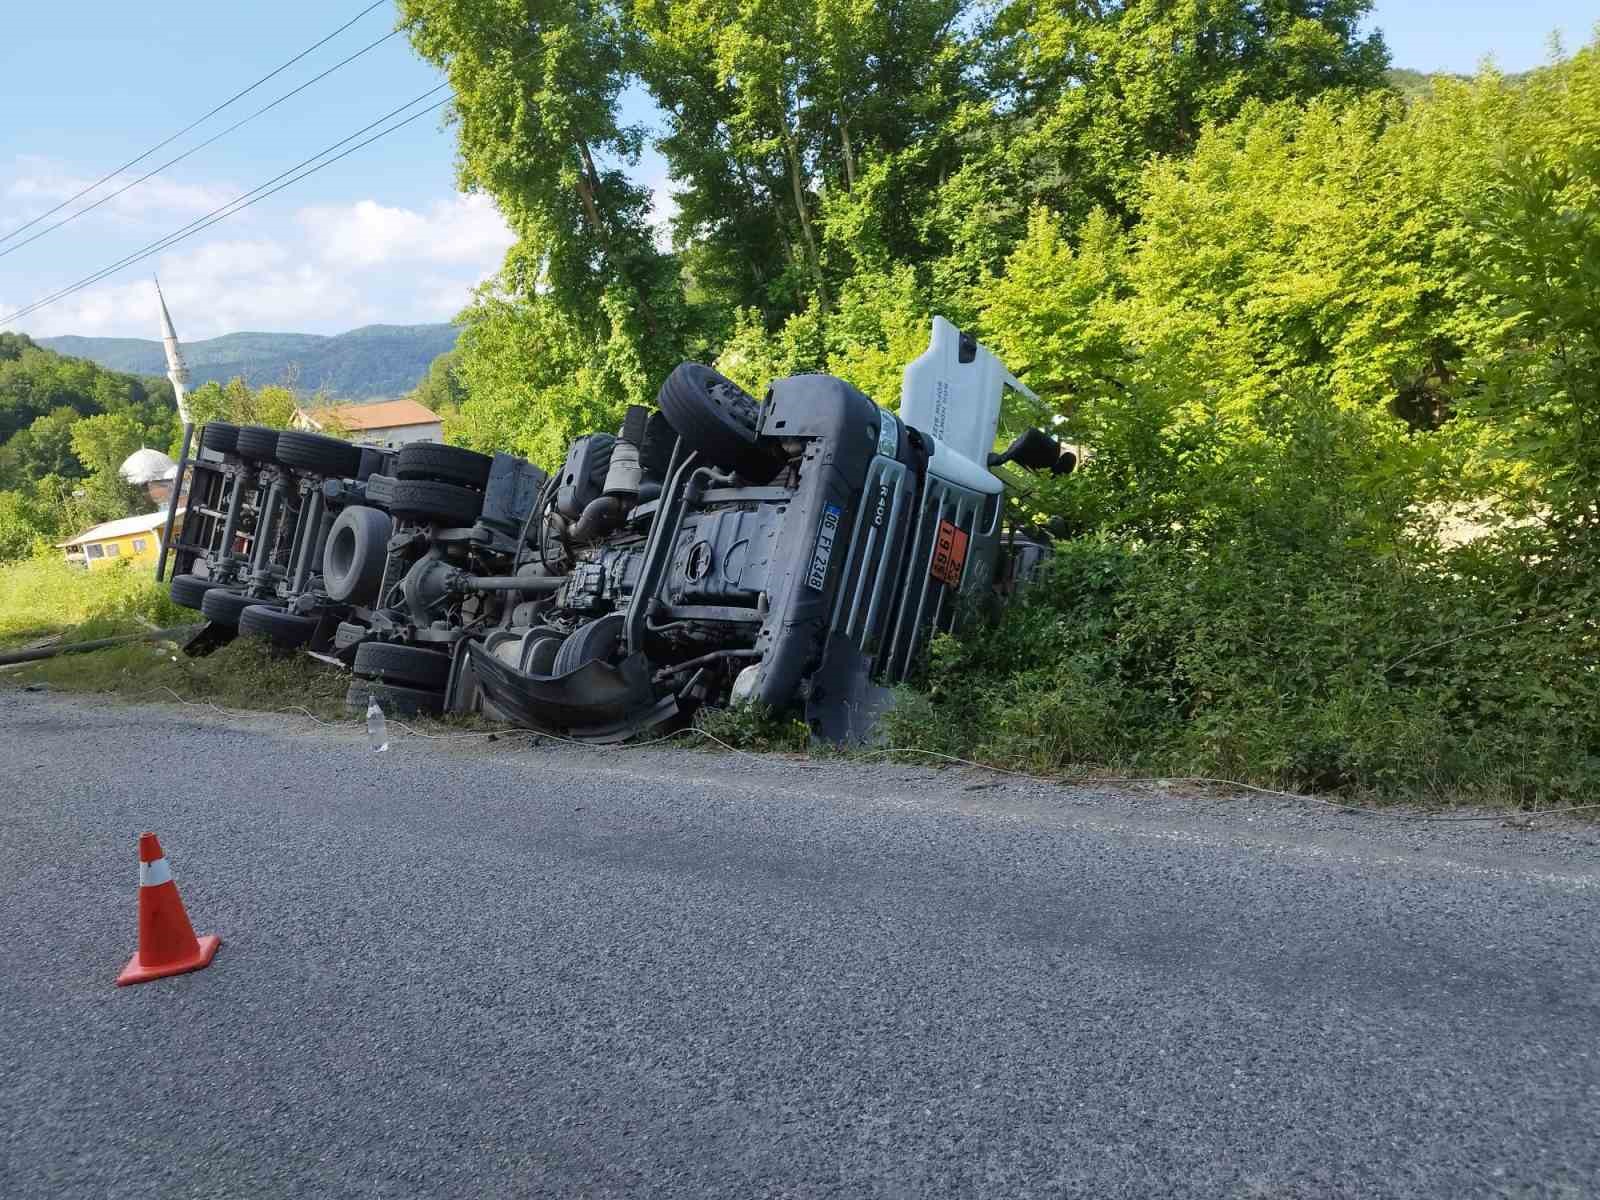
pixel 340 267
pixel 39 184
pixel 460 230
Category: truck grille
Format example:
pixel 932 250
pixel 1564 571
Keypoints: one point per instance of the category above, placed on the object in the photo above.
pixel 890 600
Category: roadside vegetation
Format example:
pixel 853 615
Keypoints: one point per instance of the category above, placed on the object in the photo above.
pixel 1311 317
pixel 43 600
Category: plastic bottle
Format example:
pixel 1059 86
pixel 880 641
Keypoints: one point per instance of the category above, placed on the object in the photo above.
pixel 377 730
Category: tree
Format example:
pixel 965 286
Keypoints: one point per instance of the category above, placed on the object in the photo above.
pixel 239 404
pixel 1091 91
pixel 536 101
pixel 440 389
pixel 102 443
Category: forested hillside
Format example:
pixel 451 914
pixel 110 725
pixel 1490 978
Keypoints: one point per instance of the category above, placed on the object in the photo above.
pixel 65 427
pixel 1302 318
pixel 375 360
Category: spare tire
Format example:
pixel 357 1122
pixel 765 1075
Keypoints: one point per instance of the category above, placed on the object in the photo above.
pixel 440 503
pixel 354 556
pixel 443 464
pixel 224 607
pixel 220 436
pixel 394 663
pixel 188 591
pixel 718 419
pixel 318 453
pixel 596 640
pixel 279 627
pixel 257 442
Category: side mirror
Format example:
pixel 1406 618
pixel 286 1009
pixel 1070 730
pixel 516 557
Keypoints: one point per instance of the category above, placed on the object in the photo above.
pixel 1035 449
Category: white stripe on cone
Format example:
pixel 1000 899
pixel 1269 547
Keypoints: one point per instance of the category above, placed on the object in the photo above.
pixel 154 874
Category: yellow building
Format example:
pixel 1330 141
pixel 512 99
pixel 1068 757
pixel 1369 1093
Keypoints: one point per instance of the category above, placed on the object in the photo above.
pixel 130 539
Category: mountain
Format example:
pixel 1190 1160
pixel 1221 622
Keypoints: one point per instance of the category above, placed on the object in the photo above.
pixel 375 360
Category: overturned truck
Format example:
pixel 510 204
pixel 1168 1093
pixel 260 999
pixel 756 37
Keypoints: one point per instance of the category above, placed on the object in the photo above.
pixel 798 551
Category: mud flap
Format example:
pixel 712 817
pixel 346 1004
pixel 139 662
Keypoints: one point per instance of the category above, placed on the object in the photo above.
pixel 844 704
pixel 596 694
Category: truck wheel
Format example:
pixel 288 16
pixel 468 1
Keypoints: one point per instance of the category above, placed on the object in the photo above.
pixel 188 591
pixel 541 654
pixel 220 436
pixel 353 560
pixel 442 503
pixel 318 454
pixel 443 464
pixel 224 607
pixel 279 627
pixel 717 418
pixel 258 443
pixel 404 701
pixel 392 663
pixel 587 643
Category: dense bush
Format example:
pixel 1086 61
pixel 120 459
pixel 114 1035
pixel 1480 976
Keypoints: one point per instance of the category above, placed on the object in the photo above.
pixel 1308 324
pixel 1335 327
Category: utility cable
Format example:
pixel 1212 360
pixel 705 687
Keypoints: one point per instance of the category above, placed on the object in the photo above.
pixel 696 731
pixel 71 217
pixel 199 121
pixel 254 196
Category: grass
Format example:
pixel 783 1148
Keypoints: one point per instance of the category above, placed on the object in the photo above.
pixel 42 597
pixel 240 675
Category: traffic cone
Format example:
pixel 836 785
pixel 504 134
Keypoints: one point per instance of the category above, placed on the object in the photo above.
pixel 167 945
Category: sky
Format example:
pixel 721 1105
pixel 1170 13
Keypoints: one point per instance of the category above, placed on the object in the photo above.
pixel 382 236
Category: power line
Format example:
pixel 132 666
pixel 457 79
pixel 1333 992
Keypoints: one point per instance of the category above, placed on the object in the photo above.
pixel 238 204
pixel 71 217
pixel 201 120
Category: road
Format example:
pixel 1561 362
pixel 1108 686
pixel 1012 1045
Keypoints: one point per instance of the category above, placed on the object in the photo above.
pixel 465 968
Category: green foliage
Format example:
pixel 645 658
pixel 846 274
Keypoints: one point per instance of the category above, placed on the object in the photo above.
pixel 240 404
pixel 1097 91
pixel 754 728
pixel 45 595
pixel 65 427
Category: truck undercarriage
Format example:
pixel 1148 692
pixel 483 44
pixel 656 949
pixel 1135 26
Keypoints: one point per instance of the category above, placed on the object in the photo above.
pixel 798 551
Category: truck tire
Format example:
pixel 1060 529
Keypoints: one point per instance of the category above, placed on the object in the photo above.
pixel 541 655
pixel 404 701
pixel 189 590
pixel 389 662
pixel 318 454
pixel 278 627
pixel 353 559
pixel 220 436
pixel 441 503
pixel 443 464
pixel 718 419
pixel 224 607
pixel 596 640
pixel 257 443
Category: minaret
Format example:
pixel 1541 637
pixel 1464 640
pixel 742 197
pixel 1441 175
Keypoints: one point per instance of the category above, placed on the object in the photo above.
pixel 177 369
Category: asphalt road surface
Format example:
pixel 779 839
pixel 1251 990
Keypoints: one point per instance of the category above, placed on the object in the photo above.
pixel 489 969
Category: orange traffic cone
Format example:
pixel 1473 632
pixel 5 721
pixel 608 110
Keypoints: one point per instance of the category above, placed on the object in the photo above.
pixel 167 945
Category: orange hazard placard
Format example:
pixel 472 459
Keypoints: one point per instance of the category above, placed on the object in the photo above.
pixel 949 554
